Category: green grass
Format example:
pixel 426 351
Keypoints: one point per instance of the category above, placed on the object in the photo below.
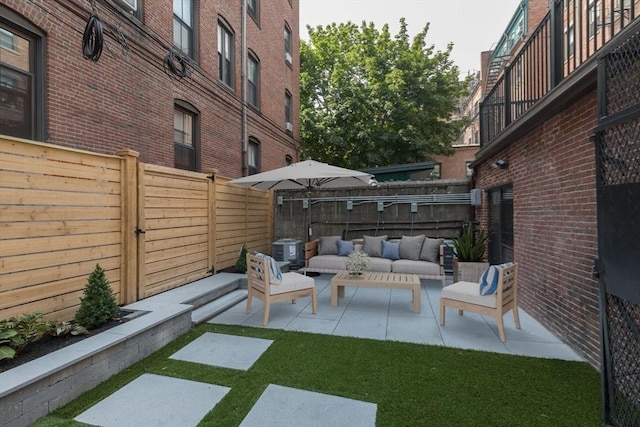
pixel 412 384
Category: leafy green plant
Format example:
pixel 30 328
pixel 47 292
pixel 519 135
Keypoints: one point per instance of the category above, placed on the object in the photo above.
pixel 241 264
pixel 17 332
pixel 98 305
pixel 468 248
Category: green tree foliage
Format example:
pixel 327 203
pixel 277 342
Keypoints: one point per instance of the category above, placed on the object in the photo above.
pixel 368 99
pixel 241 263
pixel 99 305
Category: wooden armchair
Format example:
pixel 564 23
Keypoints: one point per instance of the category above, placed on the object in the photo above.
pixel 466 296
pixel 260 285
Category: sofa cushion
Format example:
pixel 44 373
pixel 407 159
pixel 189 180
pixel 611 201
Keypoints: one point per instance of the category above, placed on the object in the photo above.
pixel 328 245
pixel 328 262
pixel 410 247
pixel 430 250
pixel 345 247
pixel 489 279
pixel 373 245
pixel 292 282
pixel 408 266
pixel 381 265
pixel 390 250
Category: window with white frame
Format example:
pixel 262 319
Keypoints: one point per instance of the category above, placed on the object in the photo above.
pixel 225 54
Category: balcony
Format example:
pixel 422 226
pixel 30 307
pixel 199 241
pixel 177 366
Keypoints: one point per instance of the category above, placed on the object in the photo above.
pixel 571 33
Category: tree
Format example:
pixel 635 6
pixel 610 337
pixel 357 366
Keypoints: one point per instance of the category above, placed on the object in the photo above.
pixel 99 304
pixel 370 100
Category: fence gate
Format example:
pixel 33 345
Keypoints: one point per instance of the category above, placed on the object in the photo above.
pixel 618 195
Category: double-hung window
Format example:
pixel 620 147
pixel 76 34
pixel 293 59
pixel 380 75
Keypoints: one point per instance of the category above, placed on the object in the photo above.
pixel 253 80
pixel 287 44
pixel 21 77
pixel 253 9
pixel 287 111
pixel 254 156
pixel 225 54
pixel 183 25
pixel 185 137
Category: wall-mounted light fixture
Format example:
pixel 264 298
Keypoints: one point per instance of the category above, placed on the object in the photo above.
pixel 500 164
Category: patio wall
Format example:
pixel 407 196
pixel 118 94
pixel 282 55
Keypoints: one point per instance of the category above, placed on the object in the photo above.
pixel 442 207
pixel 152 228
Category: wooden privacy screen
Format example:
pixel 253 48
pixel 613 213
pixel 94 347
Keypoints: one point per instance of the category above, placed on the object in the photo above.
pixel 151 228
pixel 174 215
pixel 244 216
pixel 60 215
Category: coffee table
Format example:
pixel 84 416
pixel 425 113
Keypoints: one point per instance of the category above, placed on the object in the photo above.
pixel 372 279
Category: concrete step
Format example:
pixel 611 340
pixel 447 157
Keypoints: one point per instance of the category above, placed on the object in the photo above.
pixel 217 306
pixel 214 290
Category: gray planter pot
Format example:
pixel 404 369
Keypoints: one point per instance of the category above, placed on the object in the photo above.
pixel 468 271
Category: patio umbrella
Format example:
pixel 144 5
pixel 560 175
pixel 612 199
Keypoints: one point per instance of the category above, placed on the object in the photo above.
pixel 306 175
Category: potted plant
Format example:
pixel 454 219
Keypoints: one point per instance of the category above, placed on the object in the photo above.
pixel 357 262
pixel 469 264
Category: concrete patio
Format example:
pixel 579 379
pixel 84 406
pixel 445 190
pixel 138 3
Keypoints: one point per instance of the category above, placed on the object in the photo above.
pixel 386 314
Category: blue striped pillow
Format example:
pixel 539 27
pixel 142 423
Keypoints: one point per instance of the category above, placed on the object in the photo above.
pixel 489 279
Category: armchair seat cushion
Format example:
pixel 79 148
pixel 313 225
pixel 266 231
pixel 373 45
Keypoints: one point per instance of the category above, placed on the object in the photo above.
pixel 292 282
pixel 468 292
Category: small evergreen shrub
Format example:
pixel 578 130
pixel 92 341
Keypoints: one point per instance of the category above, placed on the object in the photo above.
pixel 241 264
pixel 98 305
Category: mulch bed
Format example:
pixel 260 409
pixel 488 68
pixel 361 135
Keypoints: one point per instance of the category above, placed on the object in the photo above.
pixel 49 344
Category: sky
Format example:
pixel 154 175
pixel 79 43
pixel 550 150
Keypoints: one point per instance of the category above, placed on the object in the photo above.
pixel 471 25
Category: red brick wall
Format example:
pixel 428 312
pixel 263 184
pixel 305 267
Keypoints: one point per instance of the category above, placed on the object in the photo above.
pixel 552 169
pixel 126 100
pixel 455 167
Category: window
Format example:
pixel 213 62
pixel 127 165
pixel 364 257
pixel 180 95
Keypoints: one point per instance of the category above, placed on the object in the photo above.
pixel 225 54
pixel 288 160
pixel 185 137
pixel 254 156
pixel 253 80
pixel 592 13
pixel 287 111
pixel 500 231
pixel 571 46
pixel 183 24
pixel 287 44
pixel 21 77
pixel 253 9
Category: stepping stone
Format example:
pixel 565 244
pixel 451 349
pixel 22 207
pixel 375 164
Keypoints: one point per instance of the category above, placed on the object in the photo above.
pixel 289 407
pixel 226 351
pixel 155 400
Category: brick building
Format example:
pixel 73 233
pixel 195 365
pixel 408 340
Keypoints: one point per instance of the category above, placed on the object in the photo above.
pixel 168 82
pixel 538 167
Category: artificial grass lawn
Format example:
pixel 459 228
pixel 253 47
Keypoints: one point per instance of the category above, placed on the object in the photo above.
pixel 412 384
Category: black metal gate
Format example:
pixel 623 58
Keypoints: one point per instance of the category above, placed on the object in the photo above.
pixel 618 195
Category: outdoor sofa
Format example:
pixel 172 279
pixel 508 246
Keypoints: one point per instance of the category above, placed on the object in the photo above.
pixel 418 255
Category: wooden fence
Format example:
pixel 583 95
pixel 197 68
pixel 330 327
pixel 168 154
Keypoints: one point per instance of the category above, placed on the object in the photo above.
pixel 151 228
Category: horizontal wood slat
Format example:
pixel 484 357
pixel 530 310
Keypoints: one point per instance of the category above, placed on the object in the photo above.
pixel 62 211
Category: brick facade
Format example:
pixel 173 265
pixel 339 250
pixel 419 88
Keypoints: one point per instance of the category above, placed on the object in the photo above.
pixel 126 99
pixel 552 170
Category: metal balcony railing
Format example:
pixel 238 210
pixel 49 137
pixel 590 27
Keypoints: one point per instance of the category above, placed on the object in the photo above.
pixel 571 33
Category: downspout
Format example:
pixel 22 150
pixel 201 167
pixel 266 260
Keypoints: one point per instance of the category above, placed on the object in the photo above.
pixel 243 91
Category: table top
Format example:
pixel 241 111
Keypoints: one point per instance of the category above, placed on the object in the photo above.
pixel 378 277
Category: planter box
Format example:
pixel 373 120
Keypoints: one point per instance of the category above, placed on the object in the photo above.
pixel 468 271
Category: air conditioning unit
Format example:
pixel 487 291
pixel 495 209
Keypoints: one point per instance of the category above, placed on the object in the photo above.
pixel 287 57
pixel 128 5
pixel 291 250
pixel 288 126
